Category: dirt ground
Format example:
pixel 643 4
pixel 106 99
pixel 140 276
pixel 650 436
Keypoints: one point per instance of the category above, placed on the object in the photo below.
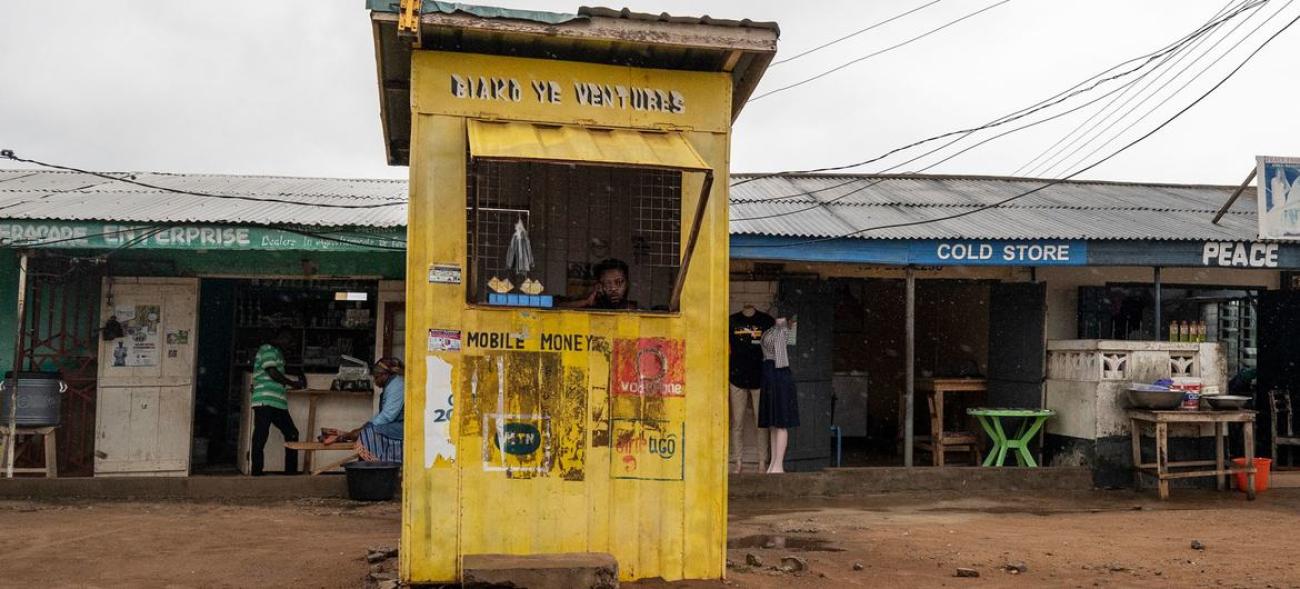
pixel 306 543
pixel 1092 539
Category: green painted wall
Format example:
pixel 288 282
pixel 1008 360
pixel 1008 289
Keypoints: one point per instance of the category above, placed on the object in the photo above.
pixel 388 265
pixel 8 307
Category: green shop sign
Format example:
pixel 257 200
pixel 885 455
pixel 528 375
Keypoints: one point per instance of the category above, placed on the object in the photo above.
pixel 73 235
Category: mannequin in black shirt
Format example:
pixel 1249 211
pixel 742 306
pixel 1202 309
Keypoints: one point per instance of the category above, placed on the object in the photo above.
pixel 746 329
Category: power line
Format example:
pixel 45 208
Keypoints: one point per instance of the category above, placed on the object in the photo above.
pixel 928 153
pixel 1118 89
pixel 25 243
pixel 855 33
pixel 152 230
pixel 1054 182
pixel 820 203
pixel 794 195
pixel 1153 109
pixel 9 154
pixel 1079 88
pixel 1123 88
pixel 1103 109
pixel 882 51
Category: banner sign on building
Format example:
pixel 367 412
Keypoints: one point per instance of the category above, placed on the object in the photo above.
pixel 1278 186
pixel 92 235
pixel 922 252
pixel 974 252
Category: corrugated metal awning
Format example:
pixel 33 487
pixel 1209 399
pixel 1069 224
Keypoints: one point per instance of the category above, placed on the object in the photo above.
pixel 551 143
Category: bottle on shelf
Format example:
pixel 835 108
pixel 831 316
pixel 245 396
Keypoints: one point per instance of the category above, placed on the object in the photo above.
pixel 1173 331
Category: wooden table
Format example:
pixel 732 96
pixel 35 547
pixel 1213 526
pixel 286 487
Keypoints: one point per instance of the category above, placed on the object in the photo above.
pixel 940 440
pixel 1160 469
pixel 314 395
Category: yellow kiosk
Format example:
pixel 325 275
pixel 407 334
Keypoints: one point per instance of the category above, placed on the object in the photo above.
pixel 567 273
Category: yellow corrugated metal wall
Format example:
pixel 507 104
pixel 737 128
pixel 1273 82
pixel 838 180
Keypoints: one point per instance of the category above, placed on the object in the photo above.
pixel 584 488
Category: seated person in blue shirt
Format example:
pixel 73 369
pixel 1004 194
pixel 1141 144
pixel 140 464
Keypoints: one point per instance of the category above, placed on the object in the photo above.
pixel 380 439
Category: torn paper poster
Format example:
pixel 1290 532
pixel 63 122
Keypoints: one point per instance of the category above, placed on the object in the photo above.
pixel 438 395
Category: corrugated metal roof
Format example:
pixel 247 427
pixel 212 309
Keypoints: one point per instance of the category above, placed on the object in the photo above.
pixel 776 206
pixel 629 14
pixel 70 196
pixel 555 18
pixel 432 6
pixel 846 204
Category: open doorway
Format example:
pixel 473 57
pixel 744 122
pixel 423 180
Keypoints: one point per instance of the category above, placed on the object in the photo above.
pixel 982 330
pixel 333 323
pixel 216 409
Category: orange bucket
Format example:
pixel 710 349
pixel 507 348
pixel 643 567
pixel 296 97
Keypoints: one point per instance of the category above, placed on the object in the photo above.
pixel 1262 467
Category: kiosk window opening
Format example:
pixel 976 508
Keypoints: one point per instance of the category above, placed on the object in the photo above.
pixel 598 237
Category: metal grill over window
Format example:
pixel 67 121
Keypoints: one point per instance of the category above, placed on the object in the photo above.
pixel 575 216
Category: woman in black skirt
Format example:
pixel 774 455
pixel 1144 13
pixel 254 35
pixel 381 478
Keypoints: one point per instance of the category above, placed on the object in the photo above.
pixel 778 407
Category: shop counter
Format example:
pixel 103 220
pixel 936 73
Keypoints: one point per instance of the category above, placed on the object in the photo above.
pixel 311 409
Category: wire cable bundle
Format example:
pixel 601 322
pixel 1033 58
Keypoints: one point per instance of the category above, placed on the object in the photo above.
pixel 1152 67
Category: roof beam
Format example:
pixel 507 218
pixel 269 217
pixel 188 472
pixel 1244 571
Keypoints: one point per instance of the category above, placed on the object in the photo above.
pixel 732 59
pixel 1235 195
pixel 697 36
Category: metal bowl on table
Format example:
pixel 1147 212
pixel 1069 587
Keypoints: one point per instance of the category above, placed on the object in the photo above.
pixel 1143 396
pixel 1225 402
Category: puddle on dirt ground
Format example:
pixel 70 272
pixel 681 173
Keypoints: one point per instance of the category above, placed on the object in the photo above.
pixel 783 542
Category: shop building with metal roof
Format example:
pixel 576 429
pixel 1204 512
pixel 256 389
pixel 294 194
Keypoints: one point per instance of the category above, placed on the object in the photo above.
pixel 906 219
pixel 811 217
pixel 1045 263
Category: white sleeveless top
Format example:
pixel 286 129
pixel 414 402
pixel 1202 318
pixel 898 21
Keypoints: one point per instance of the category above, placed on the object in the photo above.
pixel 774 343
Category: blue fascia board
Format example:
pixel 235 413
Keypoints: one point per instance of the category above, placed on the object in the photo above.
pixel 922 252
pixel 1260 255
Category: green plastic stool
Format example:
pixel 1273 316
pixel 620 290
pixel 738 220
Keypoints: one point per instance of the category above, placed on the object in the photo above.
pixel 991 421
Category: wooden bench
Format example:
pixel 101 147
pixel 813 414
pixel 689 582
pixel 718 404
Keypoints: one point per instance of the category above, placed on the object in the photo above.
pixel 310 447
pixel 51 469
pixel 314 395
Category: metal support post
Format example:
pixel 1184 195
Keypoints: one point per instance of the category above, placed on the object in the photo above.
pixel 909 359
pixel 1159 304
pixel 11 439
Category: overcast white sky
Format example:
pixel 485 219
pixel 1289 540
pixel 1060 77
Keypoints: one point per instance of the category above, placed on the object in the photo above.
pixel 287 87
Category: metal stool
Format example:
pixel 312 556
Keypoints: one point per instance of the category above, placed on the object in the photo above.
pixel 51 469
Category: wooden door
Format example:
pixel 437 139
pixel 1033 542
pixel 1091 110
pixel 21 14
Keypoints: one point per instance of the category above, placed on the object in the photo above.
pixel 811 303
pixel 144 417
pixel 1017 344
pixel 394 342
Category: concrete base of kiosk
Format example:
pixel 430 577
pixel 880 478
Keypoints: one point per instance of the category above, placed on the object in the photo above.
pixel 573 570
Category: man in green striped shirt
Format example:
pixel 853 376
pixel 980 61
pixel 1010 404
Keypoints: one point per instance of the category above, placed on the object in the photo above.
pixel 271 403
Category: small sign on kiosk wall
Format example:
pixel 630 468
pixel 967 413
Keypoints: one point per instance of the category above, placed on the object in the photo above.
pixel 444 274
pixel 444 340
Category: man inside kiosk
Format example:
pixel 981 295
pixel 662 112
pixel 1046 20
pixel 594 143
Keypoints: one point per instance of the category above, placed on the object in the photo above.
pixel 610 290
